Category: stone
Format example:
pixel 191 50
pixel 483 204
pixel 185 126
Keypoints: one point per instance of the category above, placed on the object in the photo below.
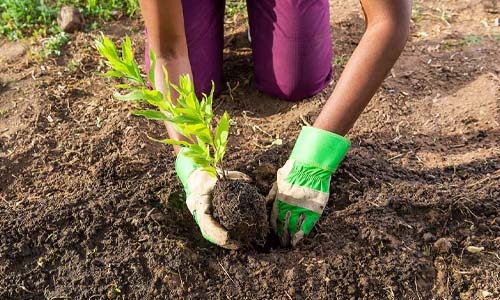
pixel 69 19
pixel 443 245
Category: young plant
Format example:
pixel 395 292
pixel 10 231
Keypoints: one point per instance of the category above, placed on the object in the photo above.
pixel 192 118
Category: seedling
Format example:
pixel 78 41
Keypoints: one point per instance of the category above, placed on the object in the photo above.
pixel 192 118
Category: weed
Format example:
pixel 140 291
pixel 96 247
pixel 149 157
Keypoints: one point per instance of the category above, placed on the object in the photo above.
pixel 20 17
pixel 73 65
pixel 472 39
pixel 416 13
pixel 341 60
pixel 105 9
pixel 444 15
pixel 54 44
pixel 235 7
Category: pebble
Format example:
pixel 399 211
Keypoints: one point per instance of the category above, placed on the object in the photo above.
pixel 69 19
pixel 428 237
pixel 443 245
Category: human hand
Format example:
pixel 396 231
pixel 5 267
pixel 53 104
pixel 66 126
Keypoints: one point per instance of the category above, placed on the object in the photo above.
pixel 199 186
pixel 302 188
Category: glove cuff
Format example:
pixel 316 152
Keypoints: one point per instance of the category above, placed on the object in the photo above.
pixel 320 148
pixel 184 166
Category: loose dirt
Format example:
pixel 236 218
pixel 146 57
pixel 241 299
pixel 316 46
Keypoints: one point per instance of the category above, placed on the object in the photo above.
pixel 241 209
pixel 90 208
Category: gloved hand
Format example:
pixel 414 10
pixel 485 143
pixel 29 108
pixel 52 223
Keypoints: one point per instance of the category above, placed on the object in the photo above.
pixel 199 186
pixel 303 183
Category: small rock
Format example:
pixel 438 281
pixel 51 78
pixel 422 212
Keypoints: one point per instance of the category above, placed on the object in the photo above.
pixel 116 14
pixel 428 237
pixel 485 294
pixel 69 19
pixel 443 245
pixel 474 249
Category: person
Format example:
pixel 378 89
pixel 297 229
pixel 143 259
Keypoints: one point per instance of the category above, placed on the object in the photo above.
pixel 292 57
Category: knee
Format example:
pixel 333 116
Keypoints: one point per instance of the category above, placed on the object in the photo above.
pixel 295 89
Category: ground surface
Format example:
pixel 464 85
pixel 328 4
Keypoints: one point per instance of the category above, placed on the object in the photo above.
pixel 91 209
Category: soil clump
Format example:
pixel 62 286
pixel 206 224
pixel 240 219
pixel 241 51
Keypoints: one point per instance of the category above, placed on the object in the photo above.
pixel 241 209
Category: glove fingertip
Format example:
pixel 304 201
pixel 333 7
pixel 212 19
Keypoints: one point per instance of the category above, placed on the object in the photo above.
pixel 231 245
pixel 297 237
pixel 285 232
pixel 271 196
pixel 274 218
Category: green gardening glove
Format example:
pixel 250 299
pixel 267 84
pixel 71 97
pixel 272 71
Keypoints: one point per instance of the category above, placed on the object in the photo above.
pixel 199 186
pixel 303 183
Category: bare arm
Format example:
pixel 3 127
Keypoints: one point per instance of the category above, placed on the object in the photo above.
pixel 382 43
pixel 165 25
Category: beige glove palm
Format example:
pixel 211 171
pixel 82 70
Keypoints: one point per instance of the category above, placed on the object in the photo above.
pixel 199 186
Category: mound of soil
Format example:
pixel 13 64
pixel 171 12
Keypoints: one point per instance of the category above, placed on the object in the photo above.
pixel 240 208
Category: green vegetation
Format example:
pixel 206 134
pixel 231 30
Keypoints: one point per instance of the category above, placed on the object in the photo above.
pixel 24 18
pixel 54 44
pixel 416 13
pixel 192 118
pixel 235 7
pixel 473 39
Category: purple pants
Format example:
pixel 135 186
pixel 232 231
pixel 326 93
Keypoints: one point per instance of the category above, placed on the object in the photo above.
pixel 291 45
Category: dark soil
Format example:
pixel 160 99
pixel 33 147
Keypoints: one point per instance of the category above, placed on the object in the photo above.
pixel 91 208
pixel 241 209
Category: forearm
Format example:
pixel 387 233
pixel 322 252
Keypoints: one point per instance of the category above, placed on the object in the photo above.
pixel 165 26
pixel 175 68
pixel 373 58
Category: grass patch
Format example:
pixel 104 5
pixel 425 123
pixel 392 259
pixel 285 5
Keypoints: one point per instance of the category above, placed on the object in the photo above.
pixel 25 18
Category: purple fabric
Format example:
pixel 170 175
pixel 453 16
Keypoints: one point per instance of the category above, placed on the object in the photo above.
pixel 291 44
pixel 203 23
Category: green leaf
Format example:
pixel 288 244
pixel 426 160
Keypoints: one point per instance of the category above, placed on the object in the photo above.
pixel 222 131
pixel 127 53
pixel 107 48
pixel 197 129
pixel 152 66
pixel 128 60
pixel 209 101
pixel 204 135
pixel 221 136
pixel 171 142
pixel 134 95
pixel 125 86
pixel 184 120
pixel 198 156
pixel 168 95
pixel 113 73
pixel 151 114
pixel 155 98
pixel 192 101
pixel 210 170
pixel 125 65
